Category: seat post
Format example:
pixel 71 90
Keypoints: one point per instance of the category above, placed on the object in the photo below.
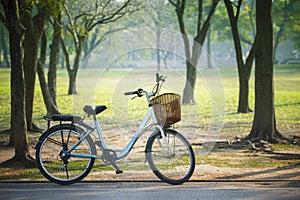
pixel 94 117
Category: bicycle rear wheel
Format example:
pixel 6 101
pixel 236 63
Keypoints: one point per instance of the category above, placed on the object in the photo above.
pixel 173 163
pixel 57 166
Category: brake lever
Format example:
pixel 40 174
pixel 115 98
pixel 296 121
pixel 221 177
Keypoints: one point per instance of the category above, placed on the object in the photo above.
pixel 163 79
pixel 136 96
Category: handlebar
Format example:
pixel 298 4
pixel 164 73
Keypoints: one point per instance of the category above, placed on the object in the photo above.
pixel 137 92
pixel 160 78
pixel 159 81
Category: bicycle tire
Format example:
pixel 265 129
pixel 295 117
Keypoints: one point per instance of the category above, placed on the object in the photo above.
pixel 49 148
pixel 175 168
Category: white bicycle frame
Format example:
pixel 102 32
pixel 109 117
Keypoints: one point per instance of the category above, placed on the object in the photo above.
pixel 125 151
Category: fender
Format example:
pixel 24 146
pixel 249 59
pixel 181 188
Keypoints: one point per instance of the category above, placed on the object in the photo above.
pixel 61 126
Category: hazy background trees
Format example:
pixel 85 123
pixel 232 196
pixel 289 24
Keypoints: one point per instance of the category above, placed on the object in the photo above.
pixel 80 18
pixel 200 27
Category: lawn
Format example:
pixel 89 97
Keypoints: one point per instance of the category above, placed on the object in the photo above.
pixel 212 118
pixel 216 98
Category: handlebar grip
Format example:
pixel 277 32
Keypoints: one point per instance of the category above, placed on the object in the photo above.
pixel 130 93
pixel 138 92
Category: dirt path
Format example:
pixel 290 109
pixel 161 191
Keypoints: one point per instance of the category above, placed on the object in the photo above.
pixel 221 163
pixel 203 171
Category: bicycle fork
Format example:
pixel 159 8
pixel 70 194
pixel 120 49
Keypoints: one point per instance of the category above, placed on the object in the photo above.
pixel 168 152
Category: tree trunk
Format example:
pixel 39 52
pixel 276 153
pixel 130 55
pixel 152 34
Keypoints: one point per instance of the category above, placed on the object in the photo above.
pixel 18 121
pixel 192 63
pixel 5 49
pixel 30 61
pixel 50 106
pixel 62 60
pixel 54 55
pixel 34 28
pixel 209 49
pixel 191 74
pixel 193 56
pixel 158 48
pixel 264 126
pixel 165 55
pixel 188 92
pixel 72 82
pixel 276 42
pixel 244 69
pixel 243 104
pixel 281 26
pixel 70 71
pixel 73 72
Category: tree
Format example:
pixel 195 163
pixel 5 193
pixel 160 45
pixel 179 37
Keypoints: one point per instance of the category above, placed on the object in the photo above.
pixel 286 23
pixel 192 54
pixel 264 124
pixel 99 35
pixel 18 122
pixel 34 23
pixel 158 16
pixel 82 18
pixel 48 100
pixel 244 68
pixel 54 54
pixel 155 14
pixel 3 47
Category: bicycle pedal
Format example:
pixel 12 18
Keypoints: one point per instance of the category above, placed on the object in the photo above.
pixel 119 171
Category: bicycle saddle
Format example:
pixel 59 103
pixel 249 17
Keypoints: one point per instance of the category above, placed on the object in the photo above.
pixel 93 110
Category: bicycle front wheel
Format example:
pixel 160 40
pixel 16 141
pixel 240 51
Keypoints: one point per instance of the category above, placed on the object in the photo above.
pixel 171 159
pixel 55 164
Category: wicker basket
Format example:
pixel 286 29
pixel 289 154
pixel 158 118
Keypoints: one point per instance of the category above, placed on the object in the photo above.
pixel 167 108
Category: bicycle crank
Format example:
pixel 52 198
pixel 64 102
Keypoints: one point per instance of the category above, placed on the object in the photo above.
pixel 109 157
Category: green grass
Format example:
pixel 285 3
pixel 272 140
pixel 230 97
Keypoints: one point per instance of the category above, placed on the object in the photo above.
pixel 246 159
pixel 20 173
pixel 107 87
pixel 123 114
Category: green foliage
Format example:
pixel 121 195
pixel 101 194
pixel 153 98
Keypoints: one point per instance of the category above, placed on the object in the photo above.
pixel 245 21
pixel 55 7
pixel 286 13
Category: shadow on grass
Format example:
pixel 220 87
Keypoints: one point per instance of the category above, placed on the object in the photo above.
pixel 280 173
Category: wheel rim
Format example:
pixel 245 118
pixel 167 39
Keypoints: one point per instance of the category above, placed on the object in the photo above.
pixel 175 167
pixel 54 166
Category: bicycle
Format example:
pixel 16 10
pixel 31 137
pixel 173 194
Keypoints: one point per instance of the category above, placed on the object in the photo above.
pixel 66 152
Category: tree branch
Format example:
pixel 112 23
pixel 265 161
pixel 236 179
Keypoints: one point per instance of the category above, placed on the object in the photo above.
pixel 66 53
pixel 243 39
pixel 201 36
pixel 114 16
pixel 2 15
pixel 238 9
pixel 173 3
pixel 71 30
pixel 251 56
